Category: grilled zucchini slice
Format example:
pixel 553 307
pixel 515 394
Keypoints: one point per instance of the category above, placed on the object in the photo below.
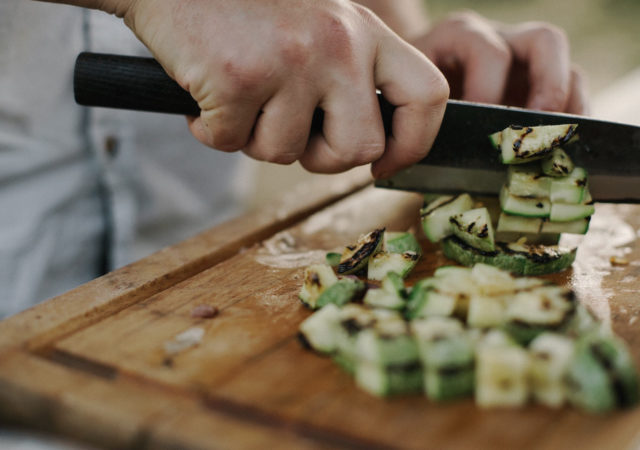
pixel 475 228
pixel 558 164
pixel 317 278
pixel 355 257
pixel 520 144
pixel 435 216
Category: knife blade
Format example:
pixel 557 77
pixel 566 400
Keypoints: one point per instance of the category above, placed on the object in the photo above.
pixel 461 158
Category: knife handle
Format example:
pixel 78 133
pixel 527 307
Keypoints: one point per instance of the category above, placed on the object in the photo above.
pixel 141 84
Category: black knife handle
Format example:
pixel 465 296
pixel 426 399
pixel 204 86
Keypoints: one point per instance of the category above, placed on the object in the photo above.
pixel 141 84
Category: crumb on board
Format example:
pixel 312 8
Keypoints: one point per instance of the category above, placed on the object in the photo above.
pixel 187 339
pixel 618 261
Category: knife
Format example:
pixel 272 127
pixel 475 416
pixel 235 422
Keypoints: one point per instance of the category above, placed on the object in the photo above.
pixel 461 158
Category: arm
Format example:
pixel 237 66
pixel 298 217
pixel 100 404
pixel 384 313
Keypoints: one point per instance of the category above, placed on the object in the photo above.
pixel 259 69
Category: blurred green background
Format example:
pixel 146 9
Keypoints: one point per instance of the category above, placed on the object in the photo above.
pixel 604 34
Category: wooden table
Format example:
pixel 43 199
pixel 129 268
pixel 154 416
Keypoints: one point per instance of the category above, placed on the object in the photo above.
pixel 92 364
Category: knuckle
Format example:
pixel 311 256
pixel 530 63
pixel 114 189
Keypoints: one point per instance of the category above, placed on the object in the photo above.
pixel 244 75
pixel 550 34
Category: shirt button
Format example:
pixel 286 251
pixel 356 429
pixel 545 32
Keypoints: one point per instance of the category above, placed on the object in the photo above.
pixel 111 146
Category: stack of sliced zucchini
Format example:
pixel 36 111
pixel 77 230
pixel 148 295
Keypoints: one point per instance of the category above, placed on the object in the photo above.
pixel 476 332
pixel 545 195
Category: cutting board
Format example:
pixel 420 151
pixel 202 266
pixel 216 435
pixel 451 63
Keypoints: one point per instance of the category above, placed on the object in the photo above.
pixel 93 364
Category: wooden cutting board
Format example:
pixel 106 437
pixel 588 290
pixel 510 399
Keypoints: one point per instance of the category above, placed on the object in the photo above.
pixel 92 363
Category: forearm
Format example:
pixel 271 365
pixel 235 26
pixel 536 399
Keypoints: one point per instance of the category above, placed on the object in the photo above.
pixel 408 18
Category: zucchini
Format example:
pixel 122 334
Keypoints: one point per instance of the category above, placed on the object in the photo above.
pixel 383 263
pixel 501 376
pixel 391 295
pixel 524 206
pixel 474 227
pixel 435 216
pixel 519 224
pixel 386 349
pixel 519 259
pixel 401 242
pixel 580 226
pixel 569 189
pixel 534 311
pixel 382 381
pixel 523 144
pixel 355 257
pixel 528 181
pixel 546 238
pixel 333 259
pixel 317 278
pixel 318 330
pixel 561 212
pixel 447 355
pixel 558 164
pixel 550 357
pixel 341 292
pixel 486 311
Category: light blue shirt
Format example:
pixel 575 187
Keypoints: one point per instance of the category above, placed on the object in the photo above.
pixel 83 190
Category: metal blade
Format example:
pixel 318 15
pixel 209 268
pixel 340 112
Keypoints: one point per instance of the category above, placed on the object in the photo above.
pixel 462 158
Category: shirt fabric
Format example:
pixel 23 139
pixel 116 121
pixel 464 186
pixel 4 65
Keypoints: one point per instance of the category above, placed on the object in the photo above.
pixel 84 190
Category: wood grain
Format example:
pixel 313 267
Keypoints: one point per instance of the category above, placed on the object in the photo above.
pixel 106 377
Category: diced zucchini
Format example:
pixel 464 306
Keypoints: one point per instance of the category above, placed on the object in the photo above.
pixel 589 385
pixel 383 381
pixel 518 224
pixel 353 319
pixel 382 263
pixel 561 212
pixel 613 355
pixel 435 216
pixel 427 301
pixel 524 206
pixel 523 144
pixel 384 351
pixel 391 295
pixel 569 189
pixel 535 311
pixel 474 227
pixel 355 257
pixel 333 259
pixel 580 226
pixel 341 292
pixel 317 278
pixel 496 139
pixel 318 330
pixel 501 376
pixel 448 384
pixel 452 271
pixel 528 181
pixel 550 357
pixel 486 311
pixel 558 164
pixel 401 242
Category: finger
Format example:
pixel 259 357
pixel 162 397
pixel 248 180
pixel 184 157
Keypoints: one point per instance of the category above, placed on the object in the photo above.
pixel 545 49
pixel 226 127
pixel 578 97
pixel 486 61
pixel 419 91
pixel 352 131
pixel 281 132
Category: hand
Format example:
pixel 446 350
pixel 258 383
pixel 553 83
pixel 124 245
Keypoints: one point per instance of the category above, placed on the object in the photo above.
pixel 522 65
pixel 259 69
